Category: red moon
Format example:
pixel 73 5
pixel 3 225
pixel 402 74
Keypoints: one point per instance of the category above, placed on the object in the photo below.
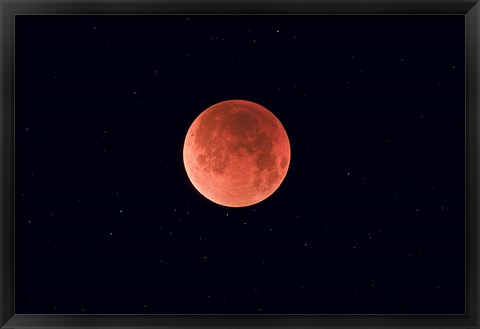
pixel 236 153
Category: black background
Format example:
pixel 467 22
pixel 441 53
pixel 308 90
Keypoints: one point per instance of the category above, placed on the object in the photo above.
pixel 370 218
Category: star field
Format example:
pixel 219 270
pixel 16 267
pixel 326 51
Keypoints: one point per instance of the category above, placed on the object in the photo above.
pixel 369 219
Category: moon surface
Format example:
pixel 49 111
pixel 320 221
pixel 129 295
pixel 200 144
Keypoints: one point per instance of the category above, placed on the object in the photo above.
pixel 236 153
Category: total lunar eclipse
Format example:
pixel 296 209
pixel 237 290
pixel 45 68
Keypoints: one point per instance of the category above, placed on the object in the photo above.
pixel 236 153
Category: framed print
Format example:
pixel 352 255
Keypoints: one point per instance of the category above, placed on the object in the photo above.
pixel 215 164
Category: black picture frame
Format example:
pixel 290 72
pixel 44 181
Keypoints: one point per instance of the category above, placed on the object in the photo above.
pixel 8 10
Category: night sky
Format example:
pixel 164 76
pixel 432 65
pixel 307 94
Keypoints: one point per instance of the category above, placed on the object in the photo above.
pixel 369 219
